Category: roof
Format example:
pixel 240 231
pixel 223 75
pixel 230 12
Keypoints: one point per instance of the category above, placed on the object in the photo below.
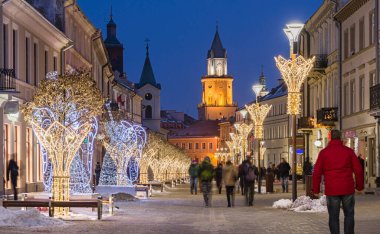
pixel 217 50
pixel 124 82
pixel 279 91
pixel 147 75
pixel 201 128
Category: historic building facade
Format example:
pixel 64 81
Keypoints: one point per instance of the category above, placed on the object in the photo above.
pixel 217 89
pixel 31 46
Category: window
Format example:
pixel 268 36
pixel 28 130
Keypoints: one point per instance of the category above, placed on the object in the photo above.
pixel 352 40
pixel 345 38
pixel 14 51
pixel 190 146
pixel 210 146
pixel 196 145
pixel 371 37
pixel 27 60
pixel 361 34
pixel 346 99
pixel 361 93
pixel 5 45
pixel 35 66
pixel 183 145
pixel 372 78
pixel 352 96
pixel 55 63
pixel 46 62
pixel 148 96
pixel 148 112
pixel 203 146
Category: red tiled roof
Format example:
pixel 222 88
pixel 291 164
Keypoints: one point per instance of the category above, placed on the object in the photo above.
pixel 199 129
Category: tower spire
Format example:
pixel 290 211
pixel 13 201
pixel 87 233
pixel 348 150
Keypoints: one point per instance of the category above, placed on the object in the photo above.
pixel 147 46
pixel 217 26
pixel 111 15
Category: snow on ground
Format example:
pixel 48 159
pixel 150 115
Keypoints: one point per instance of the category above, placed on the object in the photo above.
pixel 26 218
pixel 303 204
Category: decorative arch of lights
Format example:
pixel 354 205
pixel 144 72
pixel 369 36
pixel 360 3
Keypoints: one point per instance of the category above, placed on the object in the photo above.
pixel 124 143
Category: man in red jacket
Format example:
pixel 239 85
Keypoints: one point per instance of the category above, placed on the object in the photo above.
pixel 337 163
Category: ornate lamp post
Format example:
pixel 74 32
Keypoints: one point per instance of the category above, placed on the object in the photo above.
pixel 243 130
pixel 294 71
pixel 258 113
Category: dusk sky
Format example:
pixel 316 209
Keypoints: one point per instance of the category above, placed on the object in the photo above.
pixel 181 32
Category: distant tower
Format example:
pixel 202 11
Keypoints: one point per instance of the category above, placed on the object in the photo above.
pixel 217 98
pixel 262 81
pixel 150 90
pixel 114 47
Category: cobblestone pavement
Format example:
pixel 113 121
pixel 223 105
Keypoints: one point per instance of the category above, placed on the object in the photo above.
pixel 176 211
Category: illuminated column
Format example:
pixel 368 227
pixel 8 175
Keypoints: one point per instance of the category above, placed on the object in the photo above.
pixel 258 113
pixel 294 72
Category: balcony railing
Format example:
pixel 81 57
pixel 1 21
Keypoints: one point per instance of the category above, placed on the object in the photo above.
pixel 320 61
pixel 7 80
pixel 327 116
pixel 374 98
pixel 305 123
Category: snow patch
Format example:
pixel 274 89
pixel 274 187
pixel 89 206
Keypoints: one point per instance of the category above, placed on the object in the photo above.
pixel 303 204
pixel 28 218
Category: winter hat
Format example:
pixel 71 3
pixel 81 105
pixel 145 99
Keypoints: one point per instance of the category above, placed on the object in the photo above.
pixel 207 158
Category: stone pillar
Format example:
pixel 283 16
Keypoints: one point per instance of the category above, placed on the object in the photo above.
pixel 22 156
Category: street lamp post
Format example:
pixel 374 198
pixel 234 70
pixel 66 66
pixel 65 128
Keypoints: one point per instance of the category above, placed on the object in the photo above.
pixel 294 71
pixel 258 113
pixel 243 130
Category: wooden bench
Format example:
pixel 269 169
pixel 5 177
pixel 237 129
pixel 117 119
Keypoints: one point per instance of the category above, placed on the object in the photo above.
pixel 51 204
pixel 161 185
pixel 142 189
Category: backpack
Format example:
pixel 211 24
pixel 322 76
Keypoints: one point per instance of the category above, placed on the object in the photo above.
pixel 206 175
pixel 250 176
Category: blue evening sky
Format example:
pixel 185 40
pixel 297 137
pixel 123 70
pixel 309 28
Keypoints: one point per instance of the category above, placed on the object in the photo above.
pixel 181 32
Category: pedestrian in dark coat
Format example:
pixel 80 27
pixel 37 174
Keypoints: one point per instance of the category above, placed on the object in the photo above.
pixel 13 172
pixel 337 163
pixel 241 176
pixel 283 170
pixel 98 169
pixel 249 181
pixel 219 177
pixel 206 174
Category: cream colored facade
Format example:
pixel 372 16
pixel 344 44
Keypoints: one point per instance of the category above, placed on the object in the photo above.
pixel 320 38
pixel 32 46
pixel 358 75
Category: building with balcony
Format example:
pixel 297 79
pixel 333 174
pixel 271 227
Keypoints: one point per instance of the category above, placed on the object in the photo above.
pixel 359 72
pixel 30 47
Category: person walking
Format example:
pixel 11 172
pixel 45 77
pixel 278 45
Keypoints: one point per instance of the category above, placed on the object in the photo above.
pixel 13 172
pixel 241 176
pixel 337 163
pixel 275 171
pixel 206 173
pixel 219 177
pixel 193 173
pixel 230 176
pixel 250 175
pixel 283 170
pixel 98 169
pixel 307 169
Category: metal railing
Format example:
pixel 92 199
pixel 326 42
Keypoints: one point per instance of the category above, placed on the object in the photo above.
pixel 7 79
pixel 374 97
pixel 320 61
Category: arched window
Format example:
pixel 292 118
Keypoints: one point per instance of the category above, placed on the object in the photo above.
pixel 148 112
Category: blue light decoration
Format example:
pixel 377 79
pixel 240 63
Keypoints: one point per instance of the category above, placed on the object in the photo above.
pixel 124 143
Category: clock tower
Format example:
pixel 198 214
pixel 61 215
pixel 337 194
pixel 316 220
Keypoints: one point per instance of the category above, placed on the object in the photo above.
pixel 217 98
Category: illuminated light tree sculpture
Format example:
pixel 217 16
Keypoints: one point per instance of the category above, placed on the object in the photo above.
pixel 61 114
pixel 243 130
pixel 294 71
pixel 258 114
pixel 236 142
pixel 124 142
